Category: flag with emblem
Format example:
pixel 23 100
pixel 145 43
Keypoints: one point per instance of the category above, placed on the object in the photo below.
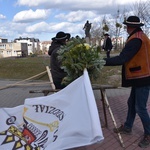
pixel 63 120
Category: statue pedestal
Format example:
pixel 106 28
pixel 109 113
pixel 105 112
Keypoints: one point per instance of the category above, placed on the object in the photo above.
pixel 87 39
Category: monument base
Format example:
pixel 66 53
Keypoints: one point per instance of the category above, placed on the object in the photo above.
pixel 87 39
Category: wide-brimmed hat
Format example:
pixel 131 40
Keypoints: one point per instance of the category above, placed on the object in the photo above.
pixel 61 36
pixel 133 21
pixel 106 34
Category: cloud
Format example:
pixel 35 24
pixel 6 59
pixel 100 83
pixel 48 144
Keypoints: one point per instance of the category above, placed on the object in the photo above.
pixel 2 16
pixel 39 18
pixel 98 6
pixel 53 27
pixel 31 16
pixel 39 27
pixel 76 16
pixel 6 30
pixel 72 5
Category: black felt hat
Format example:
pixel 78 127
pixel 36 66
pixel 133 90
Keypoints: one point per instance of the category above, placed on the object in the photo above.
pixel 133 21
pixel 61 36
pixel 106 34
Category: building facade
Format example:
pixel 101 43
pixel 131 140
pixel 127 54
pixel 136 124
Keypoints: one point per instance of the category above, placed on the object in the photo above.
pixel 22 47
pixel 44 46
pixel 32 44
pixel 10 49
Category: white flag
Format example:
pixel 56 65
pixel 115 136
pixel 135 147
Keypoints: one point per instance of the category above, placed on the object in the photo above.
pixel 66 119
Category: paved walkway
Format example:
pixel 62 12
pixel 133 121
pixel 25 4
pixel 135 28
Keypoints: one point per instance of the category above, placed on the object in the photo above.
pixel 15 95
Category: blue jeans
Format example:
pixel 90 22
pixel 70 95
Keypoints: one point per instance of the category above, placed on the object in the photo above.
pixel 137 103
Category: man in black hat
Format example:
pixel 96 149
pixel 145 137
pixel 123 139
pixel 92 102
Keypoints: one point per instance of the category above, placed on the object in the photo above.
pixel 107 45
pixel 57 73
pixel 135 61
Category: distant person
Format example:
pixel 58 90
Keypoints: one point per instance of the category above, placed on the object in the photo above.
pixel 57 73
pixel 87 28
pixel 135 61
pixel 107 46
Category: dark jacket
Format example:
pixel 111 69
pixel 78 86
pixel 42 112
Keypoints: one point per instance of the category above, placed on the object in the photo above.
pixel 130 49
pixel 107 44
pixel 57 73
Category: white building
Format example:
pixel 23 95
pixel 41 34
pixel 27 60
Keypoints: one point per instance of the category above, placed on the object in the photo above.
pixel 44 46
pixel 10 49
pixel 32 43
pixel 3 40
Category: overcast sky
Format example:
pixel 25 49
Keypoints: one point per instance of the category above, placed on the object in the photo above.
pixel 42 19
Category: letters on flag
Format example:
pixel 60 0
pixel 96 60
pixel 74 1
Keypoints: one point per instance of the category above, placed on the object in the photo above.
pixel 63 120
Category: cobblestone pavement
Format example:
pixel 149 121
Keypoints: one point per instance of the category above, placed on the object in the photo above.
pixel 15 95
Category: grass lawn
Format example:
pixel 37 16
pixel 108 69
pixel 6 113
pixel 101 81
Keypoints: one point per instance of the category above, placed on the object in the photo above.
pixel 23 68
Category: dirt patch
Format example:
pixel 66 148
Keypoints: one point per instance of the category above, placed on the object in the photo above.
pixel 115 80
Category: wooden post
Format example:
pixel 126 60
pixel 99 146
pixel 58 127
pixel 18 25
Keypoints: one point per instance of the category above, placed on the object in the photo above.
pixel 7 86
pixel 112 116
pixel 50 78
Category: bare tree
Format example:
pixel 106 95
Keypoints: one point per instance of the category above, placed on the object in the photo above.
pixel 111 24
pixel 97 32
pixel 105 25
pixel 141 9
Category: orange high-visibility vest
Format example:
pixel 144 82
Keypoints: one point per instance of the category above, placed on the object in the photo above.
pixel 139 65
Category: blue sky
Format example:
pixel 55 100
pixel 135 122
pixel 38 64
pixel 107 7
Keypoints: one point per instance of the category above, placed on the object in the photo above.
pixel 42 19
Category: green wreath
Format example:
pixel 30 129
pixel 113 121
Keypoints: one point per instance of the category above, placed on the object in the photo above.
pixel 77 55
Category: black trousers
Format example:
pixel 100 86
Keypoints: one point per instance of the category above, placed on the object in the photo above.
pixel 108 54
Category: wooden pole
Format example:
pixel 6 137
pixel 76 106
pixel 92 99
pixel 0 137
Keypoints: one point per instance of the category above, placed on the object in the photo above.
pixel 7 86
pixel 112 116
pixel 50 78
pixel 28 84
